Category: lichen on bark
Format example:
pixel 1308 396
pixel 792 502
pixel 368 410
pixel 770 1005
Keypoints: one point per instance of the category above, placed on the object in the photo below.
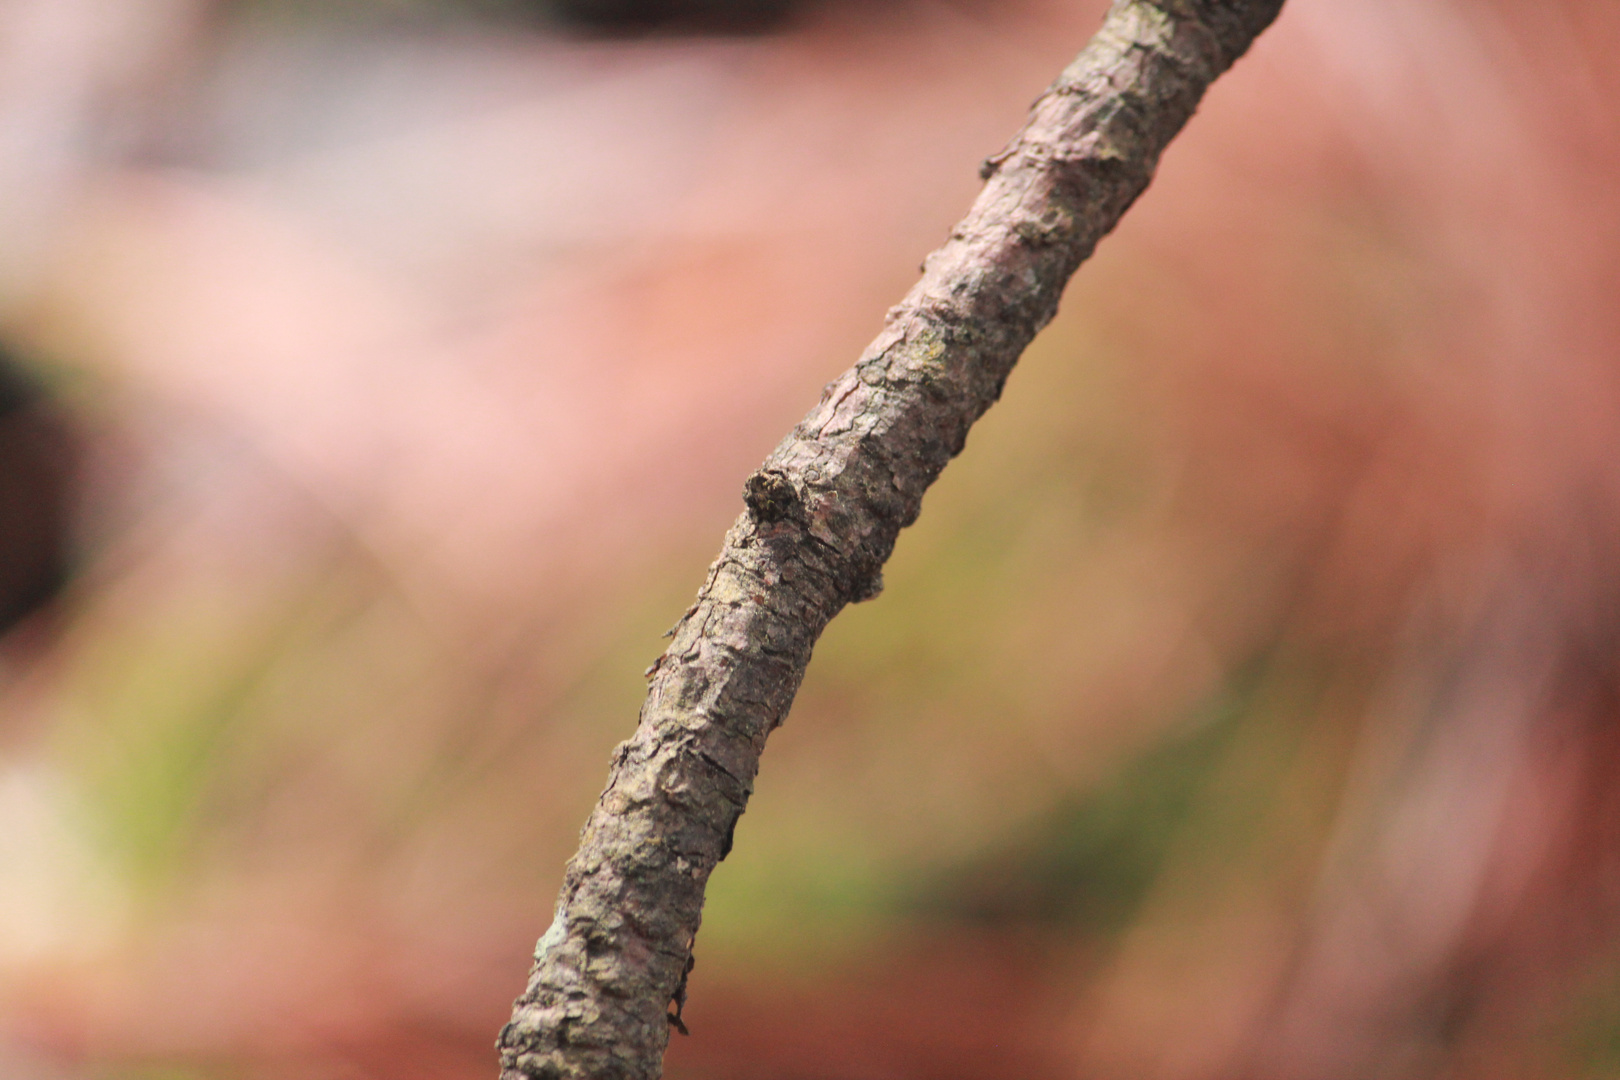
pixel 822 514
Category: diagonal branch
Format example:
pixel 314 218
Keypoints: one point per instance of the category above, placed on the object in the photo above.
pixel 822 516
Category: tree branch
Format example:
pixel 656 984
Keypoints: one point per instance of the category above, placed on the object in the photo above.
pixel 822 516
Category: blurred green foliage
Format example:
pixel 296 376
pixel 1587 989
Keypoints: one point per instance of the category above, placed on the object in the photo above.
pixel 1089 861
pixel 1588 1034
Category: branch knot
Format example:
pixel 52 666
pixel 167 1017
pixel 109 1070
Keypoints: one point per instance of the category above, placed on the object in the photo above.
pixel 770 496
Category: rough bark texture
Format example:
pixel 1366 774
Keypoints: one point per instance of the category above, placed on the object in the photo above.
pixel 822 516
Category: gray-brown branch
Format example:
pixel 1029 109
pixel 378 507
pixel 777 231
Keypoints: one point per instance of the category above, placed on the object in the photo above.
pixel 822 516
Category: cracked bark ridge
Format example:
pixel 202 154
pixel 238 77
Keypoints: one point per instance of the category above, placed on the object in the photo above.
pixel 822 516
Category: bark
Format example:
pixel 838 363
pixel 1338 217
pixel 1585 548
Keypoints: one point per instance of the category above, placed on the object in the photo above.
pixel 822 516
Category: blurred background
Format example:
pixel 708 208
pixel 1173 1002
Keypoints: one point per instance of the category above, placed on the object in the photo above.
pixel 380 377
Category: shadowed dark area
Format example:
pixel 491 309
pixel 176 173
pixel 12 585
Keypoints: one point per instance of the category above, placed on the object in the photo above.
pixel 685 16
pixel 39 470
